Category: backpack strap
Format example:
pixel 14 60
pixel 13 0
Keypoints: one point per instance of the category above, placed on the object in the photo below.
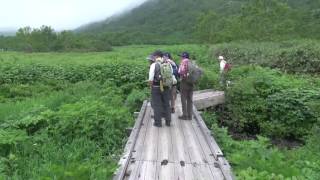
pixel 157 74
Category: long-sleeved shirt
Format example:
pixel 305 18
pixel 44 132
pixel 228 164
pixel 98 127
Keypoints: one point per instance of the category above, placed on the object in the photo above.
pixel 183 69
pixel 152 71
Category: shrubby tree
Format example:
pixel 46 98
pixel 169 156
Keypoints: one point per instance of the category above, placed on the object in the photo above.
pixel 46 39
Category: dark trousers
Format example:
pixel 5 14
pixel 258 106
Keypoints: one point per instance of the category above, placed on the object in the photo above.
pixel 186 98
pixel 160 102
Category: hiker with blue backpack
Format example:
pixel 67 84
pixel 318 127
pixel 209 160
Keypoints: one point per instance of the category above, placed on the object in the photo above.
pixel 160 81
pixel 167 57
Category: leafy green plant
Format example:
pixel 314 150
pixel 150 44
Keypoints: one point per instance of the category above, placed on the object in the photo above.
pixel 136 98
pixel 259 159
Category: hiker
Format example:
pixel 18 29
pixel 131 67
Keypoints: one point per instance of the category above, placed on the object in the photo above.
pixel 160 89
pixel 175 68
pixel 186 88
pixel 224 67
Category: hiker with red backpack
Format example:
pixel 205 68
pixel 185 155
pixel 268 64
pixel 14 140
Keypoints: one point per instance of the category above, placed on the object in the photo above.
pixel 224 68
pixel 186 88
pixel 160 81
pixel 167 57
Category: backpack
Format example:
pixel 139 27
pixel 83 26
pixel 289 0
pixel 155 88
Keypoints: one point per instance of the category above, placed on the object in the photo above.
pixel 194 73
pixel 175 69
pixel 166 74
pixel 227 67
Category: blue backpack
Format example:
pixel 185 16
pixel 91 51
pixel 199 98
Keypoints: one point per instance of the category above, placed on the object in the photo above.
pixel 175 69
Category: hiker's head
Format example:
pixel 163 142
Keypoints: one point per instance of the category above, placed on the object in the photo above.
pixel 151 58
pixel 167 55
pixel 221 58
pixel 157 54
pixel 184 55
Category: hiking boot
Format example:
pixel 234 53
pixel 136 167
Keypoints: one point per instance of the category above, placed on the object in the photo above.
pixel 173 110
pixel 182 117
pixel 168 123
pixel 157 124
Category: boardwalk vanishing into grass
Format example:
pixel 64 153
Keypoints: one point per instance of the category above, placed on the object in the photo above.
pixel 184 151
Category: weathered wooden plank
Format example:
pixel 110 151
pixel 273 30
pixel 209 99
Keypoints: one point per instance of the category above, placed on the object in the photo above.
pixel 216 172
pixel 165 171
pixel 186 150
pixel 207 134
pixel 193 126
pixel 150 150
pixel 215 149
pixel 208 98
pixel 189 172
pixel 141 173
pixel 180 153
pixel 138 149
pixel 124 162
pixel 165 145
pixel 204 172
pixel 192 145
pixel 151 170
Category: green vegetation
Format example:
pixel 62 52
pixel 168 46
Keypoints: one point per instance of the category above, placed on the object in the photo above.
pixel 259 159
pixel 267 106
pixel 45 39
pixel 261 20
pixel 288 56
pixel 63 115
pixel 211 21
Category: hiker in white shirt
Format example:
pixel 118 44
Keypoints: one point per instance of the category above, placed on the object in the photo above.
pixel 160 94
pixel 223 63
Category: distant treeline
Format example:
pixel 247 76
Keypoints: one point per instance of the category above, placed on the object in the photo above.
pixel 46 39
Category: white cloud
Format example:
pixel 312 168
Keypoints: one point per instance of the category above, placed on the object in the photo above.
pixel 60 14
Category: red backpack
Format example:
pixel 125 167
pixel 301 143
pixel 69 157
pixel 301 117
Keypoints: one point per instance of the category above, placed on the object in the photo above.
pixel 227 67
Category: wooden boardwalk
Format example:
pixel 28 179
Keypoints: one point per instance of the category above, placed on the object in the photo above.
pixel 184 151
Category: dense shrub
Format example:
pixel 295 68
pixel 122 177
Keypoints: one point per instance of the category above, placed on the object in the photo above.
pixel 258 159
pixel 76 136
pixel 292 112
pixel 136 98
pixel 266 101
pixel 119 73
pixel 290 56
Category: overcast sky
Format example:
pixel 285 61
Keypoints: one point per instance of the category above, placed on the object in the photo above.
pixel 59 14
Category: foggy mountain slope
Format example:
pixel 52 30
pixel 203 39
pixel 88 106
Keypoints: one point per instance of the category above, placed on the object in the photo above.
pixel 174 21
pixel 171 19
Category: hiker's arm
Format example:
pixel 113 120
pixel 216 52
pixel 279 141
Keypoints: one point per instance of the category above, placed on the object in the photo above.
pixel 151 74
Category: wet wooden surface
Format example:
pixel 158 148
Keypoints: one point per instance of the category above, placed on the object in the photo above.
pixel 185 150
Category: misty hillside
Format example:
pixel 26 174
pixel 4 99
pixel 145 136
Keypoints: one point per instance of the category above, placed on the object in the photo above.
pixel 183 21
pixel 172 19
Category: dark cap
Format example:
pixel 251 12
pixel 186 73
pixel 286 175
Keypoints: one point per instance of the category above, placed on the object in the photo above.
pixel 150 58
pixel 168 55
pixel 184 55
pixel 157 53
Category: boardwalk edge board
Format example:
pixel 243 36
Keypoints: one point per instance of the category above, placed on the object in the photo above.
pixel 214 147
pixel 125 159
